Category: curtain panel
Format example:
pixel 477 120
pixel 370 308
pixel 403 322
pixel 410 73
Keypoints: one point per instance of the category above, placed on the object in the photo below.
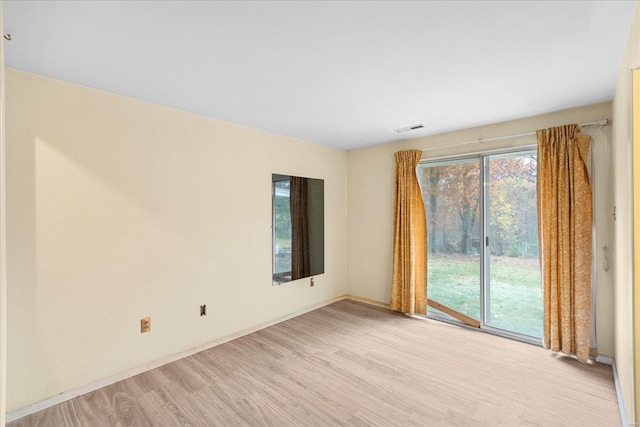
pixel 409 279
pixel 300 262
pixel 565 235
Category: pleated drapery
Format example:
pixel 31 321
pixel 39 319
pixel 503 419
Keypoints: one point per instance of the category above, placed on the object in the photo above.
pixel 565 235
pixel 300 263
pixel 409 280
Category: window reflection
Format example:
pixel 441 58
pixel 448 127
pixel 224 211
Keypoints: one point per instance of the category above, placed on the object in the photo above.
pixel 298 227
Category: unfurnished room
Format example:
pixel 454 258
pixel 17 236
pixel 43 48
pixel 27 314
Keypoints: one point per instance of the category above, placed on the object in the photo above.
pixel 319 213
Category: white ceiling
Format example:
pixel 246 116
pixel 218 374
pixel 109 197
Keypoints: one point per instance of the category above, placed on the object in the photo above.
pixel 343 74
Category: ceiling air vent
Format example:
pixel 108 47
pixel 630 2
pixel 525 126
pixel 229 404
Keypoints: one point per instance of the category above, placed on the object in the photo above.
pixel 409 128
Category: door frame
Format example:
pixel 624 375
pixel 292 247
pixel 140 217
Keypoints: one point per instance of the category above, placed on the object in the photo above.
pixel 482 157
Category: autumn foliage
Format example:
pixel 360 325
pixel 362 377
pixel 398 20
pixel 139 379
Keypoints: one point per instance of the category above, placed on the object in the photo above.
pixel 451 193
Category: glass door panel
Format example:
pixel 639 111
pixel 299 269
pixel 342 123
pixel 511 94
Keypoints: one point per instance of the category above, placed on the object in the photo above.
pixel 513 294
pixel 451 193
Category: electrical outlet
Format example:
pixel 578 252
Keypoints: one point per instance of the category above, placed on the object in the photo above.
pixel 203 310
pixel 312 284
pixel 145 325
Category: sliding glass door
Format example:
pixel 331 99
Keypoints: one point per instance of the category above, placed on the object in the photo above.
pixel 451 193
pixel 513 291
pixel 483 266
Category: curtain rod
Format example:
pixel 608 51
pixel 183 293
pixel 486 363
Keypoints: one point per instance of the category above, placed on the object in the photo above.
pixel 604 122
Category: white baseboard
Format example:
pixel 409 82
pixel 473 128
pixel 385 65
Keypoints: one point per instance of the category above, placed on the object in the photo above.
pixel 367 301
pixel 604 359
pixel 621 408
pixel 95 385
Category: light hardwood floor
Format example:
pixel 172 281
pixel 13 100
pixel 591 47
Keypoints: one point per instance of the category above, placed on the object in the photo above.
pixel 354 364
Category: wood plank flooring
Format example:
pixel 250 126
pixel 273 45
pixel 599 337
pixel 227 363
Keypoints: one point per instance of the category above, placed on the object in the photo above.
pixel 356 365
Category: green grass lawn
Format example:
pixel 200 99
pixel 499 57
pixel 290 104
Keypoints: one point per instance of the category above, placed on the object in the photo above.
pixel 515 290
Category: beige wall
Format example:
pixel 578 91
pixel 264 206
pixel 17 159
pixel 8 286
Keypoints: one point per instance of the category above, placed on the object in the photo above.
pixel 3 240
pixel 120 209
pixel 370 202
pixel 623 199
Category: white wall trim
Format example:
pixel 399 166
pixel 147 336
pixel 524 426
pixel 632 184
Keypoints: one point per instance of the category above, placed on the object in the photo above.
pixel 367 301
pixel 95 385
pixel 604 359
pixel 616 380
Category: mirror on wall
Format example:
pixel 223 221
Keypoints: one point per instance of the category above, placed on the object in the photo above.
pixel 297 227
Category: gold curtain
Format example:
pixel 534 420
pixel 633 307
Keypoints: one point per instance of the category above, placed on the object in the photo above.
pixel 300 264
pixel 565 233
pixel 409 281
